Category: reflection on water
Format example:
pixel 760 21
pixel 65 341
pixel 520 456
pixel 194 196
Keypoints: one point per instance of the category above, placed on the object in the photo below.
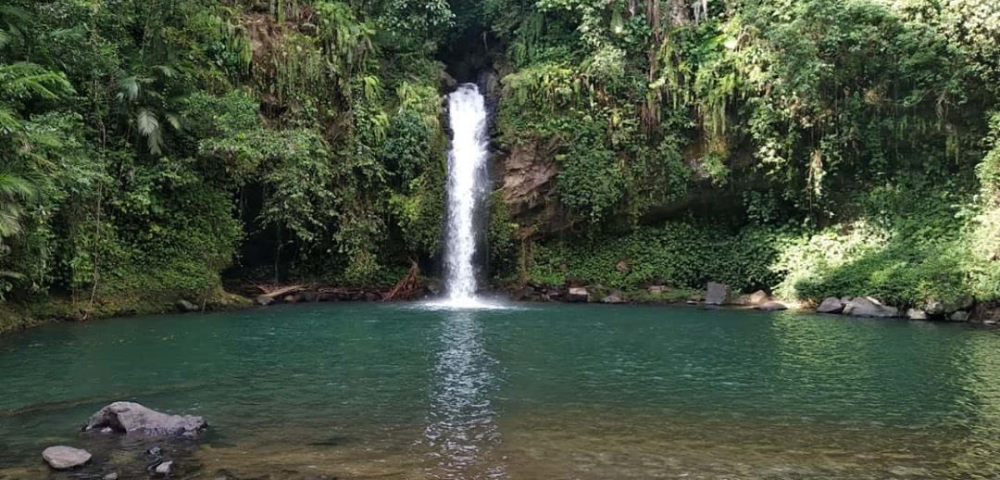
pixel 547 393
pixel 461 428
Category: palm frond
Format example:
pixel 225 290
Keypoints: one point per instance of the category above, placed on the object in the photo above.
pixel 128 88
pixel 149 127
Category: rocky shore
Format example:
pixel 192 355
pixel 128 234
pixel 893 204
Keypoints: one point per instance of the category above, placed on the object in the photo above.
pixel 720 295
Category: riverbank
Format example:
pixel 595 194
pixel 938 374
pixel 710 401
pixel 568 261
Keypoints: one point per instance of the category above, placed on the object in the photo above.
pixel 242 295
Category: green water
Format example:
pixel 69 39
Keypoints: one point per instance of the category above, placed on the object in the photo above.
pixel 538 392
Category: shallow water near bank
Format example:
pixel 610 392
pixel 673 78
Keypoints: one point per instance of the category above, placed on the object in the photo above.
pixel 537 392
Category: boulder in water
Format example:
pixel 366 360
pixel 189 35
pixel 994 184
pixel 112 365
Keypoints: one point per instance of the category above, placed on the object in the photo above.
pixel 772 306
pixel 959 316
pixel 613 299
pixel 128 417
pixel 916 314
pixel 716 294
pixel 186 306
pixel 869 307
pixel 831 305
pixel 65 458
pixel 264 300
pixel 577 295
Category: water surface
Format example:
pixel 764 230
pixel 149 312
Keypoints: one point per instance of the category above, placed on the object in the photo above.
pixel 540 392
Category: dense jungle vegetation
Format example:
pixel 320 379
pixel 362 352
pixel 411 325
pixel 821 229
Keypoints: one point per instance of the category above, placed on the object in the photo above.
pixel 151 148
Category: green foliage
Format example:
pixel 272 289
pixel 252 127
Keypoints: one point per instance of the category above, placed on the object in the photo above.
pixel 143 143
pixel 678 254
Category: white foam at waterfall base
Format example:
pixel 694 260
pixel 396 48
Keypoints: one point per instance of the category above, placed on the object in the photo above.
pixel 466 188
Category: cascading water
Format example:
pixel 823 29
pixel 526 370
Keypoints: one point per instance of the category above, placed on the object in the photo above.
pixel 466 187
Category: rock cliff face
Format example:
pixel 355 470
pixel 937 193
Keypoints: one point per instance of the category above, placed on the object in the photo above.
pixel 529 188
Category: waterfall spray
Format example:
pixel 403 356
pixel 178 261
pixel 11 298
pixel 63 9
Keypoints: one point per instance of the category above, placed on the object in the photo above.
pixel 466 188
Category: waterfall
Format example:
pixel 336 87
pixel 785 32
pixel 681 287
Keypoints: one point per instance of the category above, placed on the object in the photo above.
pixel 466 187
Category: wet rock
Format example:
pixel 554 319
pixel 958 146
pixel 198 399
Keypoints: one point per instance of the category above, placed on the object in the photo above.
pixel 128 417
pixel 155 451
pixel 831 305
pixel 959 316
pixel 309 297
pixel 916 314
pixel 164 469
pixel 264 300
pixel 110 476
pixel 716 293
pixel 869 307
pixel 448 83
pixel 613 299
pixel 529 188
pixel 186 306
pixel 577 295
pixel 65 458
pixel 772 306
pixel 942 308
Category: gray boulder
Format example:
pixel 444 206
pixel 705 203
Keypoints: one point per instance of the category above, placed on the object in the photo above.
pixel 264 300
pixel 938 308
pixel 578 295
pixel 613 299
pixel 716 294
pixel 186 306
pixel 772 306
pixel 869 307
pixel 65 458
pixel 916 314
pixel 759 297
pixel 164 469
pixel 128 417
pixel 959 316
pixel 831 305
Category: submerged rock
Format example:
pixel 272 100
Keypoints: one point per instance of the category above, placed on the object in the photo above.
pixel 831 305
pixel 716 293
pixel 869 307
pixel 65 458
pixel 128 417
pixel 772 306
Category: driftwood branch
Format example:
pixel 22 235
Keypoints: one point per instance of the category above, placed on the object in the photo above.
pixel 407 286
